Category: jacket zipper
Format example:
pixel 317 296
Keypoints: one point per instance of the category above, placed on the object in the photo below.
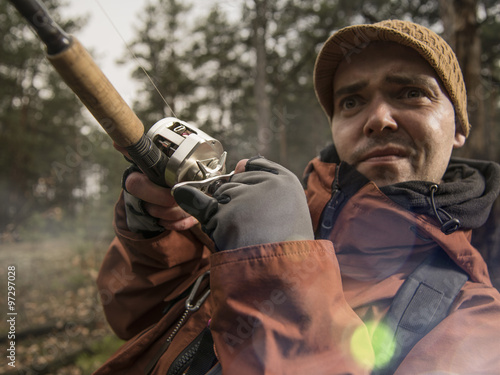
pixel 190 308
pixel 329 214
pixel 184 359
pixel 341 193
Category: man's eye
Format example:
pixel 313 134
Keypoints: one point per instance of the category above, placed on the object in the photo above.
pixel 348 103
pixel 413 93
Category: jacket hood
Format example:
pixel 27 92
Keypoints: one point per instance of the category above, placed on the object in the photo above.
pixel 467 192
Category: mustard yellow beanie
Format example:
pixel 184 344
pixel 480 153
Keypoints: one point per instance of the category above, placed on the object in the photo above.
pixel 351 40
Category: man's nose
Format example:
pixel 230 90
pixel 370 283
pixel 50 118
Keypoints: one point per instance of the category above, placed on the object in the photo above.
pixel 380 118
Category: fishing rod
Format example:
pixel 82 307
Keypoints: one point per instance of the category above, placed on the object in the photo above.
pixel 172 151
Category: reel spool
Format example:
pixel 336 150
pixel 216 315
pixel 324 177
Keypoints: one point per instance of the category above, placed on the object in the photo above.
pixel 192 155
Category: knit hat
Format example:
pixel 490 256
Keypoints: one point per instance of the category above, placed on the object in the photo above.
pixel 351 40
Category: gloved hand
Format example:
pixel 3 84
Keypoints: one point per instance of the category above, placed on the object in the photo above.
pixel 264 204
pixel 138 220
pixel 149 208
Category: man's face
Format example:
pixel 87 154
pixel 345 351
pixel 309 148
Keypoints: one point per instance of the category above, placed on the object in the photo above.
pixel 392 120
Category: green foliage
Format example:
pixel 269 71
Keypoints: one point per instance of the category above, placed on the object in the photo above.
pixel 221 63
pixel 99 353
pixel 37 112
pixel 297 31
pixel 55 164
pixel 423 12
pixel 159 45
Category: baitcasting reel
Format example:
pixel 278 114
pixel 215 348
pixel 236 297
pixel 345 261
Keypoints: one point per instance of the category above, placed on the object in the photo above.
pixel 193 157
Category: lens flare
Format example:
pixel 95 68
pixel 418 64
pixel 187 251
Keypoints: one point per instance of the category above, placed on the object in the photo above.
pixel 382 345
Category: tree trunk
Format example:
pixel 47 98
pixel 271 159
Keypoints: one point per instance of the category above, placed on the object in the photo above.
pixel 259 25
pixel 462 32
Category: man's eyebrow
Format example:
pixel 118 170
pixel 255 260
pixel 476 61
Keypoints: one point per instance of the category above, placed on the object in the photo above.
pixel 412 79
pixel 350 89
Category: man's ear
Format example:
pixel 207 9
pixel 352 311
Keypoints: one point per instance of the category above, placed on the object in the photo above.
pixel 459 137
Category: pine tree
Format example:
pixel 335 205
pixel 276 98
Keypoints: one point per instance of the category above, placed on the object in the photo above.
pixel 39 125
pixel 221 63
pixel 161 49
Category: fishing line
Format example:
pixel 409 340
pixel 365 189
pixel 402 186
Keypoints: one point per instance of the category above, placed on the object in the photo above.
pixel 135 57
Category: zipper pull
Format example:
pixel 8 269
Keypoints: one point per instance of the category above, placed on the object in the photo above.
pixel 189 308
pixel 189 304
pixel 189 301
pixel 328 215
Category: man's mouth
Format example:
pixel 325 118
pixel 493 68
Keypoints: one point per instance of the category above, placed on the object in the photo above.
pixel 383 154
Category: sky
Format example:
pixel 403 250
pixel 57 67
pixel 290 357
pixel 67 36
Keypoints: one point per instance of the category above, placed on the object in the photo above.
pixel 100 37
pixel 107 43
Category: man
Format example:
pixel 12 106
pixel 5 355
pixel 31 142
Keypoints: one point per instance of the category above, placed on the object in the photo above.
pixel 299 288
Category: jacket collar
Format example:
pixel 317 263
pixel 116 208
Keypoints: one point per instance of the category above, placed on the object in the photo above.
pixel 386 215
pixel 467 193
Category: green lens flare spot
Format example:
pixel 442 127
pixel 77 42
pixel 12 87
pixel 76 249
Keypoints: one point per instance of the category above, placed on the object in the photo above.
pixel 382 345
pixel 361 349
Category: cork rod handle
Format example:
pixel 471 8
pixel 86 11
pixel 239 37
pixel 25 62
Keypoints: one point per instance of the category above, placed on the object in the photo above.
pixel 85 78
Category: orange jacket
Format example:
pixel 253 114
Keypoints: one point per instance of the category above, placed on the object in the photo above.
pixel 297 307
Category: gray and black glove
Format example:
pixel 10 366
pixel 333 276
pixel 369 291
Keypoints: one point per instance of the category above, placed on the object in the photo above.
pixel 138 219
pixel 264 204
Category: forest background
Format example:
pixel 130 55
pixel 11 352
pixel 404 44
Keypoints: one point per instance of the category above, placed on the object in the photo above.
pixel 245 80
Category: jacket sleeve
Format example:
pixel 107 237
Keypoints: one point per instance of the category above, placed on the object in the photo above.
pixel 280 309
pixel 465 342
pixel 139 276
